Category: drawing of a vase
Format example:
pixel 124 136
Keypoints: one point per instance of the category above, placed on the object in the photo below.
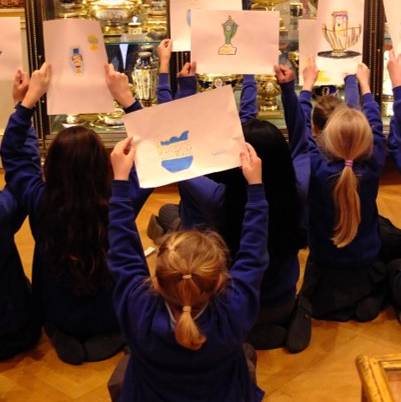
pixel 340 36
pixel 176 153
pixel 230 29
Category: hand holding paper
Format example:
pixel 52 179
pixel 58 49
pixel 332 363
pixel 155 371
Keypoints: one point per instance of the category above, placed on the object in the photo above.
pixel 251 165
pixel 164 52
pixel 310 74
pixel 20 86
pixel 122 158
pixel 363 76
pixel 394 69
pixel 38 86
pixel 188 70
pixel 118 86
pixel 284 74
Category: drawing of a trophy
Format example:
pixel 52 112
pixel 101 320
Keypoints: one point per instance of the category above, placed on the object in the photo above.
pixel 340 36
pixel 230 29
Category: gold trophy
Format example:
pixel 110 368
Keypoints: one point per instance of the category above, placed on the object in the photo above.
pixel 72 9
pixel 269 5
pixel 268 90
pixel 341 36
pixel 114 15
pixel 144 77
pixel 156 20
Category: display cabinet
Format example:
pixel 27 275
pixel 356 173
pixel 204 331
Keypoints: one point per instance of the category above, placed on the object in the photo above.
pixel 133 28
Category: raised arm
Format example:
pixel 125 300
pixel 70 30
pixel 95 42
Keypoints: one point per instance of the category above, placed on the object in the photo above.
pixel 394 139
pixel 163 88
pixel 126 260
pixel 248 105
pixel 372 112
pixel 20 148
pixel 241 298
pixel 351 89
pixel 294 115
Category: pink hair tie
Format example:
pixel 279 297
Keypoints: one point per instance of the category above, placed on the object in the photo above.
pixel 349 163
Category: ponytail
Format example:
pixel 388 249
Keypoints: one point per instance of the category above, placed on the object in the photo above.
pixel 348 137
pixel 348 206
pixel 187 332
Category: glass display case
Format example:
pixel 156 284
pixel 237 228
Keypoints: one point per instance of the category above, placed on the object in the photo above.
pixel 132 29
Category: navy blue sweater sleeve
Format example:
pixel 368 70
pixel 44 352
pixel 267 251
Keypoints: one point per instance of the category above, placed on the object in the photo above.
pixel 203 195
pixel 21 160
pixel 248 106
pixel 305 99
pixel 137 194
pixel 241 297
pixel 163 89
pixel 372 112
pixel 187 86
pixel 127 262
pixel 352 98
pixel 394 139
pixel 294 119
pixel 134 107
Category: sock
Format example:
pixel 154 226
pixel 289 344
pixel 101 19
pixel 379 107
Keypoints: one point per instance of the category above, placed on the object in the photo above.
pixel 102 347
pixel 300 328
pixel 68 348
pixel 267 336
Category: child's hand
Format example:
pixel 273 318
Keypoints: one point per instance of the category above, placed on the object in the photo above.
pixel 20 86
pixel 164 52
pixel 188 70
pixel 122 159
pixel 310 74
pixel 251 165
pixel 284 74
pixel 363 76
pixel 38 86
pixel 394 69
pixel 118 86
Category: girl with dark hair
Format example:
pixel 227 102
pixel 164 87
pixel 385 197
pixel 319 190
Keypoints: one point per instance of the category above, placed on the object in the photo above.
pixel 68 209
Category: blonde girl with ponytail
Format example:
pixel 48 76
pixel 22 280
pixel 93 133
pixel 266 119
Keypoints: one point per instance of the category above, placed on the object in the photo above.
pixel 343 278
pixel 186 323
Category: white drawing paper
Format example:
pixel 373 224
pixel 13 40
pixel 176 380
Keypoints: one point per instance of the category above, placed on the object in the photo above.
pixel 10 47
pixel 181 18
pixel 174 143
pixel 393 16
pixel 76 51
pixel 235 42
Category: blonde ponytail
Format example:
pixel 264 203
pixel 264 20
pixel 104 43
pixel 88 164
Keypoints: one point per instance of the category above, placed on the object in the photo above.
pixel 187 332
pixel 191 267
pixel 348 208
pixel 347 137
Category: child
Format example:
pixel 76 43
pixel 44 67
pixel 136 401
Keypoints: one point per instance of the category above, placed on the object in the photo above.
pixel 186 324
pixel 394 146
pixel 19 324
pixel 343 278
pixel 69 216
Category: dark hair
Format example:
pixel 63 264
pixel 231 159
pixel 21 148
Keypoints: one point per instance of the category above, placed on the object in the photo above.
pixel 285 234
pixel 74 208
pixel 323 109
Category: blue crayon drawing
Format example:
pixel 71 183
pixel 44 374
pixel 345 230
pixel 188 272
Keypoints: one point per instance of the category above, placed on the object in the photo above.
pixel 176 154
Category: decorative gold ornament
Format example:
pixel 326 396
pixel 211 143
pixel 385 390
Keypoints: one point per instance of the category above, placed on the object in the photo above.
pixel 268 90
pixel 114 15
pixel 212 81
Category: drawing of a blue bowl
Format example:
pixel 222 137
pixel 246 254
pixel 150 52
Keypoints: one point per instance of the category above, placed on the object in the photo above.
pixel 178 164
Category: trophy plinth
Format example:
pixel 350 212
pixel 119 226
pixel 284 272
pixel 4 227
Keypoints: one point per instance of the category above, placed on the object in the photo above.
pixel 72 9
pixel 341 37
pixel 207 82
pixel 228 50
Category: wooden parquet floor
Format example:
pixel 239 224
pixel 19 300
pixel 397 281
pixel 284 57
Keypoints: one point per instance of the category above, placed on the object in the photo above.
pixel 324 372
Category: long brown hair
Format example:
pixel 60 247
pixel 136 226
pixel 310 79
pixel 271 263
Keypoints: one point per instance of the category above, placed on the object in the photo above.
pixel 191 267
pixel 347 136
pixel 322 111
pixel 74 210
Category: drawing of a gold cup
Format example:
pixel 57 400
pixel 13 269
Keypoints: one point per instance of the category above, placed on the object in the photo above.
pixel 340 36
